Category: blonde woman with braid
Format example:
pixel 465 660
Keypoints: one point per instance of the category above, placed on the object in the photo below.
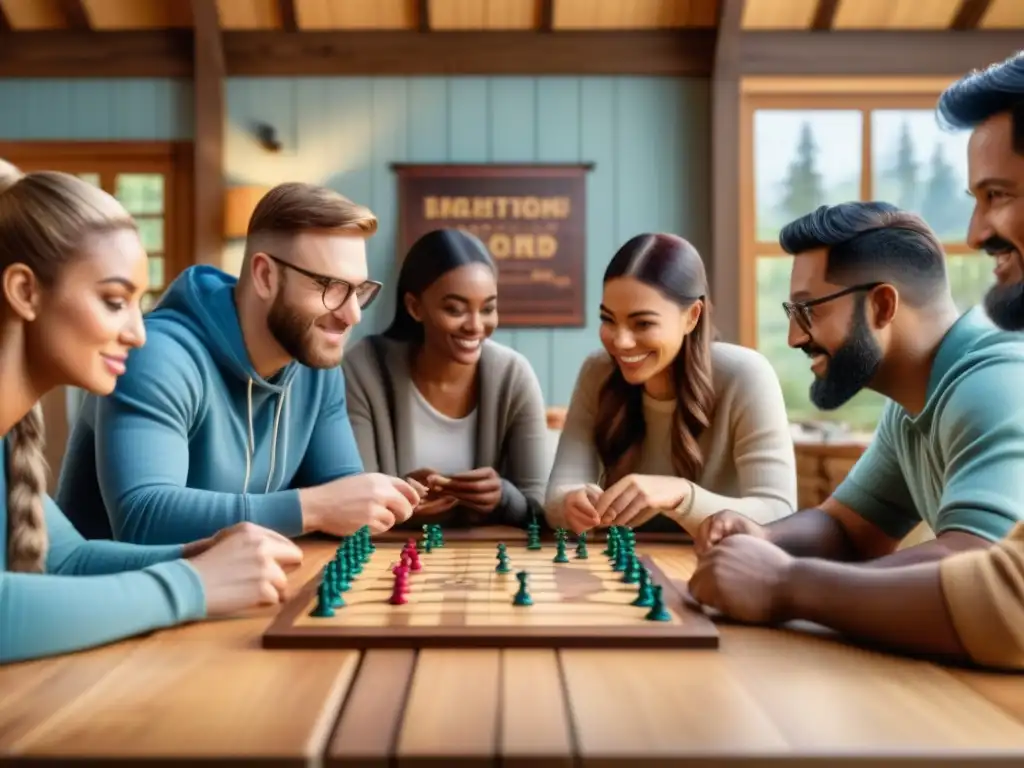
pixel 667 426
pixel 72 272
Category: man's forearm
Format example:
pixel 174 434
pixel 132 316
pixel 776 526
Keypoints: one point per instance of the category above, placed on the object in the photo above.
pixel 902 608
pixel 812 533
pixel 930 551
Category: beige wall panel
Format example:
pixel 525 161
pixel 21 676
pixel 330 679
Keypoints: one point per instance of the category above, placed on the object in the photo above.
pixel 249 14
pixel 356 14
pixel 1004 14
pixel 33 14
pixel 778 14
pixel 138 14
pixel 896 14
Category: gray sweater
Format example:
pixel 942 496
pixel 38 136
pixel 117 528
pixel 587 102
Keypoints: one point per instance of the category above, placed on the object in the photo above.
pixel 511 425
pixel 749 458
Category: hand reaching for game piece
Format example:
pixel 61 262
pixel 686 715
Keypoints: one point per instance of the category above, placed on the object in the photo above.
pixel 343 506
pixel 721 525
pixel 640 495
pixel 746 578
pixel 579 511
pixel 478 489
pixel 428 483
pixel 244 566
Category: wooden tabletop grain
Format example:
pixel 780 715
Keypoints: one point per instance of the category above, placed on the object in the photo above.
pixel 209 692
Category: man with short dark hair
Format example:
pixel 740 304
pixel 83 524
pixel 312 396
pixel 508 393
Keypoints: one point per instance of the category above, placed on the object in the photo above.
pixel 234 409
pixel 871 306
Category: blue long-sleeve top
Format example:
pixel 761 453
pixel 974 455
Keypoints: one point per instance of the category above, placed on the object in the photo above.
pixel 194 439
pixel 92 592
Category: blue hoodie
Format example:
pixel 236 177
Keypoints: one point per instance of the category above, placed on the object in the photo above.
pixel 193 440
pixel 130 590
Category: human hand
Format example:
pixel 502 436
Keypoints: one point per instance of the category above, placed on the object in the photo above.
pixel 244 566
pixel 634 495
pixel 722 524
pixel 343 506
pixel 478 489
pixel 578 508
pixel 197 547
pixel 746 578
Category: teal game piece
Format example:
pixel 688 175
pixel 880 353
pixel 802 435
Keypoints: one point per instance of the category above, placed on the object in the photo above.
pixel 560 556
pixel 658 611
pixel 522 595
pixel 645 595
pixel 323 607
pixel 581 547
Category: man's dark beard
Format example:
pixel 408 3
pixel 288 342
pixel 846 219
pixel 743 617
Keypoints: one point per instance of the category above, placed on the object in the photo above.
pixel 292 332
pixel 850 369
pixel 1004 303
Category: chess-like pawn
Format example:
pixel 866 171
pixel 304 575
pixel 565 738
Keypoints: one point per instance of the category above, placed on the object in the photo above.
pixel 560 556
pixel 401 572
pixel 658 611
pixel 581 547
pixel 645 595
pixel 323 607
pixel 400 588
pixel 522 595
pixel 414 556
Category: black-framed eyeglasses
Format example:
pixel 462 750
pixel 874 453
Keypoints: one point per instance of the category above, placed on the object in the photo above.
pixel 336 292
pixel 801 310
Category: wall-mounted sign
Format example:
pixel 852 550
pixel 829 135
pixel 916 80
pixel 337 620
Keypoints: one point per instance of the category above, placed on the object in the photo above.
pixel 532 218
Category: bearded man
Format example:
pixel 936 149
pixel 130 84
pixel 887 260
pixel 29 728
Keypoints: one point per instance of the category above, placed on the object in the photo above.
pixel 234 409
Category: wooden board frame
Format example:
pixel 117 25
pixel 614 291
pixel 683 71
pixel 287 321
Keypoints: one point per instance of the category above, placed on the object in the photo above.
pixel 697 632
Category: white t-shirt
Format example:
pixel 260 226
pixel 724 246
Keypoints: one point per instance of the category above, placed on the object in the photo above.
pixel 439 441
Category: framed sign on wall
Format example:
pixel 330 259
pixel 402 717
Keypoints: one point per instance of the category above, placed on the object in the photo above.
pixel 532 218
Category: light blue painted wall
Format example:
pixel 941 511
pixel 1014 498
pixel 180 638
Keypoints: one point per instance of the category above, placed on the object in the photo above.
pixel 649 139
pixel 107 109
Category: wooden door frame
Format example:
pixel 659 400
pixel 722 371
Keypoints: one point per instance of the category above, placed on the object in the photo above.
pixel 174 158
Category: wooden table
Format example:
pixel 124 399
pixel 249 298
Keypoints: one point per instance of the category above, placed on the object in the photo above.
pixel 210 692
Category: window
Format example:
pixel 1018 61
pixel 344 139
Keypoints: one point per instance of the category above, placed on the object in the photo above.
pixel 804 150
pixel 151 180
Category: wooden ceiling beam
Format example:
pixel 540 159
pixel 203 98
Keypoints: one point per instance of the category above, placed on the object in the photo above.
pixel 5 23
pixel 209 72
pixel 423 15
pixel 825 14
pixel 969 14
pixel 289 18
pixel 547 15
pixel 75 13
pixel 842 52
pixel 723 260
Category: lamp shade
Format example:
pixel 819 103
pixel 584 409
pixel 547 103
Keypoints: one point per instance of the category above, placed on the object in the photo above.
pixel 239 203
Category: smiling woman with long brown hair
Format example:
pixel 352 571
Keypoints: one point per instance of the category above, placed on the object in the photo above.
pixel 667 426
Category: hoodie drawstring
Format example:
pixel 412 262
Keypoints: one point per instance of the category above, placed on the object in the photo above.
pixel 251 447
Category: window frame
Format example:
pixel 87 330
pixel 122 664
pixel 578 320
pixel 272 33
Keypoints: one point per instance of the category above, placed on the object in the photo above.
pixel 173 159
pixel 814 93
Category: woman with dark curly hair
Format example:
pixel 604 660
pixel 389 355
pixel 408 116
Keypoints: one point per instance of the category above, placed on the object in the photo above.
pixel 665 419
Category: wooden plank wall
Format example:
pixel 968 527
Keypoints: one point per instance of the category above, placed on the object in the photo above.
pixel 102 109
pixel 648 137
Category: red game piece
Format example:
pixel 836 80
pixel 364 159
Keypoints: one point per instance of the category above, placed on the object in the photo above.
pixel 400 588
pixel 414 555
pixel 402 576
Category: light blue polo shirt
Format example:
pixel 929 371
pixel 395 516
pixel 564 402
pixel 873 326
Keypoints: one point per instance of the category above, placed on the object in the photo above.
pixel 959 464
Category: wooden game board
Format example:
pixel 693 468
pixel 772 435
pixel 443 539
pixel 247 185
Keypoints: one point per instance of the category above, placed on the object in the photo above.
pixel 458 600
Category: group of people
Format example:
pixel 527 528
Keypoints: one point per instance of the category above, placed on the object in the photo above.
pixel 232 419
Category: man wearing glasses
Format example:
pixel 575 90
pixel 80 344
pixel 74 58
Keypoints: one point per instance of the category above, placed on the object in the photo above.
pixel 234 409
pixel 871 306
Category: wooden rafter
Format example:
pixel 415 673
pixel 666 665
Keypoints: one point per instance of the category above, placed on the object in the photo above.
pixel 723 264
pixel 208 184
pixel 970 14
pixel 75 13
pixel 825 14
pixel 547 15
pixel 5 23
pixel 423 15
pixel 289 18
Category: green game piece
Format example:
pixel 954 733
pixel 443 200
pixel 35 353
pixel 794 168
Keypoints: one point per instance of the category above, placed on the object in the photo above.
pixel 658 611
pixel 427 545
pixel 581 547
pixel 323 607
pixel 645 595
pixel 522 596
pixel 612 549
pixel 354 566
pixel 502 566
pixel 533 540
pixel 632 572
pixel 560 556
